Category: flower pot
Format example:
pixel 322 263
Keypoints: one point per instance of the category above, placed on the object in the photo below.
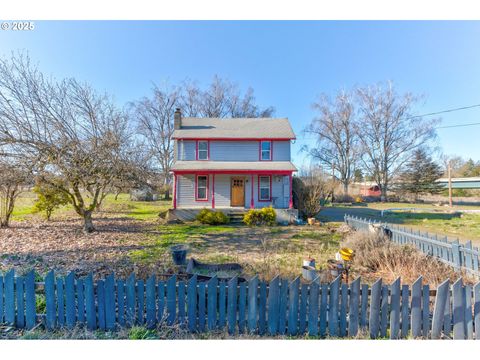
pixel 179 254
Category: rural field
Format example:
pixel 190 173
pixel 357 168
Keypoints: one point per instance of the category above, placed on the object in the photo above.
pixel 131 237
pixel 439 220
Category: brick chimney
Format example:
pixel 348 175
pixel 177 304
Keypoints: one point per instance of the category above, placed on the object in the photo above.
pixel 177 119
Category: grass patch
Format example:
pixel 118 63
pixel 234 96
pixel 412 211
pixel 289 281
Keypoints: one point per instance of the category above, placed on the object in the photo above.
pixel 139 210
pixel 141 333
pixel 164 236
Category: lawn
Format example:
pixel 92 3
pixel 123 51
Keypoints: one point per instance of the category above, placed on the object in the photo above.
pixel 131 238
pixel 264 251
pixel 122 206
pixel 440 220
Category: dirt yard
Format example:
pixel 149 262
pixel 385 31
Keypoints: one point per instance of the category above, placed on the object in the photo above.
pixel 130 238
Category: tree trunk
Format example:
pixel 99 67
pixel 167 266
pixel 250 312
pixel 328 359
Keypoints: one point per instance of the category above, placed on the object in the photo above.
pixel 383 195
pixel 345 188
pixel 167 194
pixel 87 222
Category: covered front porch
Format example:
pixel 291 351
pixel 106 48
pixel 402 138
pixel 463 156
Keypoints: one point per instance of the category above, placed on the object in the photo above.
pixel 232 189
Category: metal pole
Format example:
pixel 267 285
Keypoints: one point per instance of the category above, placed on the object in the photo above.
pixel 450 184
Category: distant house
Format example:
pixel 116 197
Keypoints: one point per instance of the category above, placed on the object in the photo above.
pixel 237 163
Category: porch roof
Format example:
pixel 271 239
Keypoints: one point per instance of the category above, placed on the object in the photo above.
pixel 260 166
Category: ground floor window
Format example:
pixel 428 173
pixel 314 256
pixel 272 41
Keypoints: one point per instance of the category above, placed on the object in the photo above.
pixel 201 190
pixel 264 188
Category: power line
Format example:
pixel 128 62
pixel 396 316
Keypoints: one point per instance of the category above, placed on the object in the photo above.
pixel 437 113
pixel 445 111
pixel 457 125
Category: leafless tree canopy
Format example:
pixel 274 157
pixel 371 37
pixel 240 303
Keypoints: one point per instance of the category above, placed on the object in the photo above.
pixel 66 130
pixel 388 132
pixel 310 189
pixel 334 131
pixel 220 99
pixel 13 178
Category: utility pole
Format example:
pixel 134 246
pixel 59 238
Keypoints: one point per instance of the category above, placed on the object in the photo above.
pixel 450 184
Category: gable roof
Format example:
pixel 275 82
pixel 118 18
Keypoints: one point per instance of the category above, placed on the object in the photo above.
pixel 234 128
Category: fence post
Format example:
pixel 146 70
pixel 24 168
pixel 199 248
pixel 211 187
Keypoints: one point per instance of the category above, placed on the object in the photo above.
pixel 458 294
pixel 439 309
pixel 313 308
pixel 395 309
pixel 232 305
pixel 273 305
pixel 192 303
pixel 252 304
pixel 171 299
pixel 416 313
pixel 476 309
pixel 212 303
pixel 333 307
pixel 354 307
pixel 293 307
pixel 70 307
pixel 51 306
pixel 9 293
pixel 468 312
pixel 468 255
pixel 30 303
pixel 456 255
pixel 375 308
pixel 149 295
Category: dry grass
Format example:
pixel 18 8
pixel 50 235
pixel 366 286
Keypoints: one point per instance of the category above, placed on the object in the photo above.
pixel 376 256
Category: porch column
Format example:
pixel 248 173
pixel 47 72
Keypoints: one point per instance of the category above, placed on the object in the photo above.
pixel 174 191
pixel 252 201
pixel 213 191
pixel 290 202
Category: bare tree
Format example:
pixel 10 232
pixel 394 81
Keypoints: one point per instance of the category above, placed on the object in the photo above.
pixel 310 189
pixel 13 177
pixel 74 138
pixel 154 117
pixel 337 142
pixel 221 99
pixel 388 132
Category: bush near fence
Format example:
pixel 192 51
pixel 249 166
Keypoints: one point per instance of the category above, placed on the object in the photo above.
pixel 281 307
pixel 460 256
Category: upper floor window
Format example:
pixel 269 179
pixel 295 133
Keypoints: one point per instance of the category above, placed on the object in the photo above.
pixel 265 150
pixel 202 150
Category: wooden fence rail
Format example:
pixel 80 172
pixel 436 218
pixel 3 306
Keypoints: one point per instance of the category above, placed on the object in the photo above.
pixel 281 307
pixel 451 252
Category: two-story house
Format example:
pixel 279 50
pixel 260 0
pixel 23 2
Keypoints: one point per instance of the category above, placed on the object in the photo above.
pixel 232 163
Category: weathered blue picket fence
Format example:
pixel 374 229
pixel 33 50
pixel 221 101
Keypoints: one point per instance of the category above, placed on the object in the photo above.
pixel 280 307
pixel 460 256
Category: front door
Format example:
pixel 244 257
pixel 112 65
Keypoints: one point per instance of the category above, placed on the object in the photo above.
pixel 238 191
